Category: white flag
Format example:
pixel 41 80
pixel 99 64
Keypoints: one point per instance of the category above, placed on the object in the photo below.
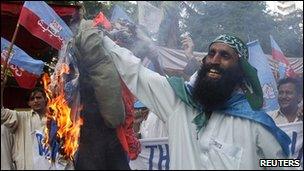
pixel 149 16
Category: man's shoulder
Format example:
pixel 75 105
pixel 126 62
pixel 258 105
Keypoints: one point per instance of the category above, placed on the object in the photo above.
pixel 273 113
pixel 23 112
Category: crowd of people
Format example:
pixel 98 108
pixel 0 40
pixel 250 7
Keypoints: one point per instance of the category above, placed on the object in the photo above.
pixel 213 120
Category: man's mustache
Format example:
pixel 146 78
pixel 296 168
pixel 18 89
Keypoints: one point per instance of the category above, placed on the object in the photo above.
pixel 216 67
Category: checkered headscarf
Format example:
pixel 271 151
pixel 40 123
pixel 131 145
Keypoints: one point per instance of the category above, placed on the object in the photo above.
pixel 234 42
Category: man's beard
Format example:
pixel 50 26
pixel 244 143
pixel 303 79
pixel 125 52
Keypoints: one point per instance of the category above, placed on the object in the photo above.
pixel 212 93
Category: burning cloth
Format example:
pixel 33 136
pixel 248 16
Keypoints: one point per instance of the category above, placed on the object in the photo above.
pixel 85 80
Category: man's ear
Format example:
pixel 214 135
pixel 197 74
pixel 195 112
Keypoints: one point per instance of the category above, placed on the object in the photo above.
pixel 204 59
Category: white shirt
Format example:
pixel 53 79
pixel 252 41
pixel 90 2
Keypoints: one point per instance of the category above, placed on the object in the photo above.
pixel 42 156
pixel 227 142
pixel 280 118
pixel 153 127
pixel 28 132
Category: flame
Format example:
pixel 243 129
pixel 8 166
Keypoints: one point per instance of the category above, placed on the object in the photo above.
pixel 68 130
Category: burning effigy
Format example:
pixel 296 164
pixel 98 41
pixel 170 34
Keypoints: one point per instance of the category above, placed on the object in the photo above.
pixel 85 103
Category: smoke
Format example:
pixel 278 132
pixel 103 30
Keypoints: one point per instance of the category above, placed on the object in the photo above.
pixel 74 22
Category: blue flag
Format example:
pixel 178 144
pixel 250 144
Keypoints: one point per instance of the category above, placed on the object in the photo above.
pixel 22 59
pixel 258 60
pixel 119 13
pixel 25 69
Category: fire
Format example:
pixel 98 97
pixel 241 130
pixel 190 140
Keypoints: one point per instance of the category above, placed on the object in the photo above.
pixel 68 131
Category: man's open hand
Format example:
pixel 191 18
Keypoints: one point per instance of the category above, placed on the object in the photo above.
pixel 188 46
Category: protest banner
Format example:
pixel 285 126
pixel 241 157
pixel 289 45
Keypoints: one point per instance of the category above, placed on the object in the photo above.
pixel 295 132
pixel 258 59
pixel 149 16
pixel 154 155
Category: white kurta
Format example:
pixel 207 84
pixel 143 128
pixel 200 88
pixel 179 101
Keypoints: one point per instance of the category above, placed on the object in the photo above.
pixel 227 142
pixel 153 127
pixel 27 128
pixel 7 142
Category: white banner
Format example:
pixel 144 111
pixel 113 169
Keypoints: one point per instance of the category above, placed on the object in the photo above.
pixel 155 151
pixel 295 132
pixel 149 16
pixel 154 155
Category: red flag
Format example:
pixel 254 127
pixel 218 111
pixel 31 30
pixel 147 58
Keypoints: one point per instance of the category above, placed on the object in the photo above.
pixel 24 79
pixel 278 55
pixel 43 22
pixel 101 19
pixel 125 132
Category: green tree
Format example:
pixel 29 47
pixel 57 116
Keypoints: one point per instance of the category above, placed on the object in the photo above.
pixel 289 33
pixel 247 20
pixel 92 8
pixel 205 20
pixel 62 2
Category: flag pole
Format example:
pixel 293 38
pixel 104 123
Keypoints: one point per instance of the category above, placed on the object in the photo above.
pixel 3 70
pixel 10 48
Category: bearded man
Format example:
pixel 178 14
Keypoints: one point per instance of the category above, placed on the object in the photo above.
pixel 213 121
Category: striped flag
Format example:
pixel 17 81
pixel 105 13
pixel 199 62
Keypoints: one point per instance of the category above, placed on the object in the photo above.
pixel 43 22
pixel 278 55
pixel 25 69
